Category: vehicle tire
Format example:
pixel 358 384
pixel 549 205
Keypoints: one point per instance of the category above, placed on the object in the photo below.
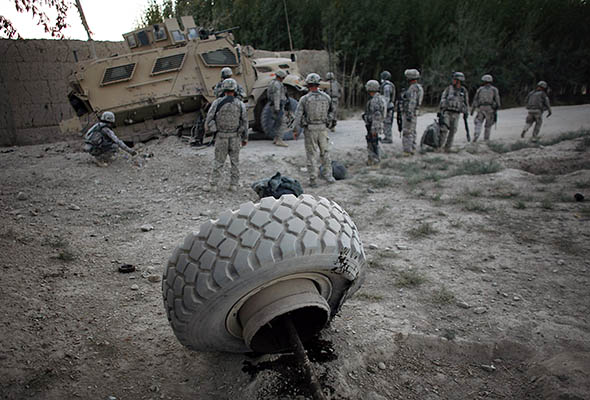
pixel 266 120
pixel 245 250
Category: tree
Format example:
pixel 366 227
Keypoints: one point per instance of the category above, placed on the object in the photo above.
pixel 37 8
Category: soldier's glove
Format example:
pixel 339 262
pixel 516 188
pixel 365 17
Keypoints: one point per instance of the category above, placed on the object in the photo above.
pixel 472 111
pixel 549 113
pixel 244 143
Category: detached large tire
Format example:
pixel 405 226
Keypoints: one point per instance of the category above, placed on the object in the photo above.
pixel 266 121
pixel 242 251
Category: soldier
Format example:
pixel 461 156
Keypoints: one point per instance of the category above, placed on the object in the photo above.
pixel 102 143
pixel 334 91
pixel 314 114
pixel 226 73
pixel 375 112
pixel 228 120
pixel 537 101
pixel 387 90
pixel 277 98
pixel 453 102
pixel 411 100
pixel 487 103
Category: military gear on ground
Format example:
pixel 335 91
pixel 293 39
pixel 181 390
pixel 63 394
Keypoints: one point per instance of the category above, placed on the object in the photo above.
pixel 108 116
pixel 431 136
pixel 339 171
pixel 313 79
pixel 542 84
pixel 226 72
pixel 385 75
pixel 372 86
pixel 487 78
pixel 330 76
pixel 280 74
pixel 229 85
pixel 459 76
pixel 277 186
pixel 411 74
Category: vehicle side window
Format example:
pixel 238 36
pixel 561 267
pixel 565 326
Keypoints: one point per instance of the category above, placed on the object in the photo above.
pixel 159 33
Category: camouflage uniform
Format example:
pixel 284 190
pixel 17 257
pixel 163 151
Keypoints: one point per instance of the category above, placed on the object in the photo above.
pixel 453 102
pixel 218 91
pixel 106 145
pixel 335 92
pixel 231 126
pixel 411 101
pixel 487 102
pixel 314 113
pixel 388 92
pixel 277 98
pixel 375 112
pixel 537 101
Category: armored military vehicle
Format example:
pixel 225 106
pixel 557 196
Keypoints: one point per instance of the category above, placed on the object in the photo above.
pixel 164 84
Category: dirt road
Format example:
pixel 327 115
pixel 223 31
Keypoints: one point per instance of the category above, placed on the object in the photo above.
pixel 477 283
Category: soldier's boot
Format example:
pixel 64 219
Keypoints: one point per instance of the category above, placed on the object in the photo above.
pixel 278 141
pixel 523 133
pixel 101 163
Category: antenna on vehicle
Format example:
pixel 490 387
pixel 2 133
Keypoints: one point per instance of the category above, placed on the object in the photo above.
pixel 288 26
pixel 85 24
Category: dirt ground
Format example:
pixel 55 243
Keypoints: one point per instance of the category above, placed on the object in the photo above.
pixel 477 274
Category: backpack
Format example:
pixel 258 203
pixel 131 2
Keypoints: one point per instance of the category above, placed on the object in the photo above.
pixel 277 186
pixel 339 171
pixel 431 136
pixel 94 136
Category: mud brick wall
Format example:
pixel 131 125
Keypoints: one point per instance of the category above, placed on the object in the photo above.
pixel 33 87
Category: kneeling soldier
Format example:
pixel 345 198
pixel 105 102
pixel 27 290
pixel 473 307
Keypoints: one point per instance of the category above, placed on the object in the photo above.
pixel 101 142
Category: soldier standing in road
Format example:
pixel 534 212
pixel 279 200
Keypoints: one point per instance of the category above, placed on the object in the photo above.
pixel 226 73
pixel 387 90
pixel 314 114
pixel 411 100
pixel 334 91
pixel 228 120
pixel 487 103
pixel 277 98
pixel 102 143
pixel 375 112
pixel 537 101
pixel 453 102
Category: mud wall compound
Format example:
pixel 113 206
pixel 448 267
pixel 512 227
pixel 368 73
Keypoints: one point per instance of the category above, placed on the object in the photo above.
pixel 33 85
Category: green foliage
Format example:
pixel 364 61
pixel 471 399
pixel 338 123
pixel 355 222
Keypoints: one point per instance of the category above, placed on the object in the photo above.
pixel 442 296
pixel 423 230
pixel 520 205
pixel 476 167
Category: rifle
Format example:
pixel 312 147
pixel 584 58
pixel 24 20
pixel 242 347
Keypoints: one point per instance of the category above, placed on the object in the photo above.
pixel 399 117
pixel 466 127
pixel 496 118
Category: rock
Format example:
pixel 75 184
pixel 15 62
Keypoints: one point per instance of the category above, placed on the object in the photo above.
pixel 480 310
pixel 401 247
pixel 462 304
pixel 373 246
pixel 560 262
pixel 369 190
pixel 22 196
pixel 134 287
pixel 374 396
pixel 381 366
pixel 154 278
pixel 489 368
pixel 516 298
pixel 73 207
pixel 147 228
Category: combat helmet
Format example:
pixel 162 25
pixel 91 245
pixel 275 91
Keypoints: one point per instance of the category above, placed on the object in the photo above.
pixel 330 76
pixel 487 78
pixel 542 84
pixel 226 72
pixel 411 74
pixel 229 85
pixel 385 75
pixel 312 79
pixel 372 86
pixel 459 76
pixel 281 74
pixel 108 116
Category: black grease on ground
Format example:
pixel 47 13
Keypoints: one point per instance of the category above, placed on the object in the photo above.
pixel 291 381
